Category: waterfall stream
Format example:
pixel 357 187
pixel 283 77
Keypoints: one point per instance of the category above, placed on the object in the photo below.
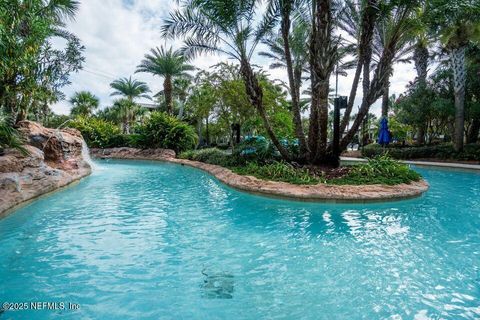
pixel 86 156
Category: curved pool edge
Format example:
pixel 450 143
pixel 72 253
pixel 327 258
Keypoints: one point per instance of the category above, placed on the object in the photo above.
pixel 310 193
pixel 29 198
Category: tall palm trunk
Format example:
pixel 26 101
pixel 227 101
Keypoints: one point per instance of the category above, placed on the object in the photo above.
pixel 420 58
pixel 126 126
pixel 294 87
pixel 372 90
pixel 351 97
pixel 457 57
pixel 255 95
pixel 168 90
pixel 369 17
pixel 323 55
pixel 473 132
pixel 385 100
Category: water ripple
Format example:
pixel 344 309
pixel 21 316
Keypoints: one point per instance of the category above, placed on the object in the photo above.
pixel 147 240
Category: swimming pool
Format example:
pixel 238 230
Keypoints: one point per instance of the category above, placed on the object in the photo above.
pixel 150 240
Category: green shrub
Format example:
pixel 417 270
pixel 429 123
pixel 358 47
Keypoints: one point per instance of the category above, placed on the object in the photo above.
pixel 211 156
pixel 10 137
pixel 56 120
pixel 256 149
pixel 442 152
pixel 278 171
pixel 164 131
pixel 379 170
pixel 98 133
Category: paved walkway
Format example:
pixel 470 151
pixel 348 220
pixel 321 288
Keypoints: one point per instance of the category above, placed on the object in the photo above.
pixel 452 165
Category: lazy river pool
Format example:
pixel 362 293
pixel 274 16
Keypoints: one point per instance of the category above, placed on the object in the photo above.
pixel 146 240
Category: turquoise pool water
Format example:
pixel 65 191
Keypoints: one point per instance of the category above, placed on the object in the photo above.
pixel 143 240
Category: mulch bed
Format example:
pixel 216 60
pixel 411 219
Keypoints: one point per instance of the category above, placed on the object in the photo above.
pixel 329 173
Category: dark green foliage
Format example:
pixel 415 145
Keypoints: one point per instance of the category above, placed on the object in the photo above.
pixel 56 120
pixel 98 133
pixel 212 156
pixel 255 149
pixel 164 131
pixel 442 151
pixel 10 138
pixel 278 171
pixel 379 170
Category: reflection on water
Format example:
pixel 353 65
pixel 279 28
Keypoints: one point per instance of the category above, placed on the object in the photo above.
pixel 133 239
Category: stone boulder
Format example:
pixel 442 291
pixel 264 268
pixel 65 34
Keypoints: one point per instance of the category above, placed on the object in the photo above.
pixel 55 159
pixel 57 145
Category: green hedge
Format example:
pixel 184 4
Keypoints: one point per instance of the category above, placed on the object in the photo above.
pixel 442 151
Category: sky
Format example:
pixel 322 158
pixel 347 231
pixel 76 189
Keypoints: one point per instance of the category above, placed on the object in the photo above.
pixel 118 33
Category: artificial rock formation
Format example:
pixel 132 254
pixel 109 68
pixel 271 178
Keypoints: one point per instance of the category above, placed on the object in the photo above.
pixel 55 160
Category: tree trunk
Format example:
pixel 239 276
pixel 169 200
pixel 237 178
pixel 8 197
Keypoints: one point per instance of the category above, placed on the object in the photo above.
pixel 457 56
pixel 473 132
pixel 323 56
pixel 255 95
pixel 207 133
pixel 351 98
pixel 421 135
pixel 420 58
pixel 167 89
pixel 199 131
pixel 369 18
pixel 180 111
pixel 294 92
pixel 385 101
pixel 374 89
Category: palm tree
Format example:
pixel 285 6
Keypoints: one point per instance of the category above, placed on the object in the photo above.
pixel 230 28
pixel 181 89
pixel 83 103
pixel 125 111
pixel 421 40
pixel 384 30
pixel 168 64
pixel 130 89
pixel 457 24
pixel 373 89
pixel 358 20
pixel 291 54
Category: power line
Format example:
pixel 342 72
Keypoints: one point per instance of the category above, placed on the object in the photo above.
pixel 99 74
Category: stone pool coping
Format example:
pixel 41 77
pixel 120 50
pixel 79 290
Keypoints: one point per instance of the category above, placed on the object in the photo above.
pixel 319 192
pixel 422 163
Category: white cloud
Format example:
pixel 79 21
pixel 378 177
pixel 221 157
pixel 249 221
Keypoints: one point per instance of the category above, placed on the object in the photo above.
pixel 117 34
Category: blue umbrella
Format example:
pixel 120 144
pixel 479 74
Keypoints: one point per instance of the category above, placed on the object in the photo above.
pixel 384 134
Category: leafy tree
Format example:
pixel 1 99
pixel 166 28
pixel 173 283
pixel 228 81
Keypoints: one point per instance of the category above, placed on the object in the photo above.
pixel 31 71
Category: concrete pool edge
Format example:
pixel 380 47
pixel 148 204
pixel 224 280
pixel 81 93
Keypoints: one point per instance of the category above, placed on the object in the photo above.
pixel 312 193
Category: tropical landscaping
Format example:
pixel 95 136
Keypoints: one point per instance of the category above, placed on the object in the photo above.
pixel 194 136
pixel 438 115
